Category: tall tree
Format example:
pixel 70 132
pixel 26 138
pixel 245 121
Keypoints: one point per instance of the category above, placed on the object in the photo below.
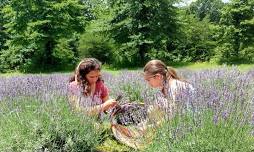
pixel 3 35
pixel 197 39
pixel 140 26
pixel 238 27
pixel 35 29
pixel 207 8
pixel 96 41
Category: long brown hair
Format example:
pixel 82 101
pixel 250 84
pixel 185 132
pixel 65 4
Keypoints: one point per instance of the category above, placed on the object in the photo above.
pixel 83 68
pixel 158 67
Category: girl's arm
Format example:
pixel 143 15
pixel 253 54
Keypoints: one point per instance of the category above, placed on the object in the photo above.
pixel 95 110
pixel 75 106
pixel 107 103
pixel 74 101
pixel 91 111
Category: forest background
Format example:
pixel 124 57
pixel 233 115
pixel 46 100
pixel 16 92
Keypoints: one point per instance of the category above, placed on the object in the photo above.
pixel 47 35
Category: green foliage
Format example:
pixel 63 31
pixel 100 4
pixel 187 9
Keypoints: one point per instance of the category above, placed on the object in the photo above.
pixel 196 41
pixel 3 35
pixel 36 27
pixel 65 51
pixel 248 54
pixel 29 125
pixel 45 35
pixel 224 54
pixel 97 45
pixel 96 42
pixel 207 8
pixel 238 28
pixel 166 55
pixel 141 26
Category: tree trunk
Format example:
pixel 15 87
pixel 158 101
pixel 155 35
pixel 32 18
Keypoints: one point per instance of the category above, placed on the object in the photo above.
pixel 142 52
pixel 48 60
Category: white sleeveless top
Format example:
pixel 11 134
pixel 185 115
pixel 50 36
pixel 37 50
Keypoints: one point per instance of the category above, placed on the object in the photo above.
pixel 175 90
pixel 177 87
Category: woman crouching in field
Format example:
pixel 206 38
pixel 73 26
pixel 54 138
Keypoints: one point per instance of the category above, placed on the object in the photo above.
pixel 87 92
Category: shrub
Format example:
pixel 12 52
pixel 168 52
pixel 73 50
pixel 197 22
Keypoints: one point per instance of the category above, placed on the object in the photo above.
pixel 248 54
pixel 97 46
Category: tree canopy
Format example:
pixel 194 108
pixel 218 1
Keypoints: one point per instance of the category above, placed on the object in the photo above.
pixel 36 28
pixel 48 34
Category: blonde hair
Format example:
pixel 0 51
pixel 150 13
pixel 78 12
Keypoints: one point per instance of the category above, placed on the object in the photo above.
pixel 158 67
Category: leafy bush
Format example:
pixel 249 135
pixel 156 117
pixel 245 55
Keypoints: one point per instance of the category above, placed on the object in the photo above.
pixel 97 46
pixel 65 54
pixel 223 54
pixel 248 54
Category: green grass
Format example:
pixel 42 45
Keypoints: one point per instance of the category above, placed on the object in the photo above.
pixel 188 66
pixel 207 65
pixel 11 74
pixel 246 67
pixel 198 65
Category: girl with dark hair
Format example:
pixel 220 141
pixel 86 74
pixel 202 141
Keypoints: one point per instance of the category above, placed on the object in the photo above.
pixel 87 91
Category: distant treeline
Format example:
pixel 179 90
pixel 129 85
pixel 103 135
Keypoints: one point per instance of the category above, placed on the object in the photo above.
pixel 40 35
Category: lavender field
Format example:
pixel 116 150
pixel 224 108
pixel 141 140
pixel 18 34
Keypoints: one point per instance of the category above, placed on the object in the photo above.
pixel 35 115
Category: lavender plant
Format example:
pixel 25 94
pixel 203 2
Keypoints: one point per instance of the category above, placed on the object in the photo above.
pixel 218 116
pixel 128 84
pixel 41 87
pixel 29 125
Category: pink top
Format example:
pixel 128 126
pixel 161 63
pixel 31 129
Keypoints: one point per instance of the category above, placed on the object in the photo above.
pixel 101 90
